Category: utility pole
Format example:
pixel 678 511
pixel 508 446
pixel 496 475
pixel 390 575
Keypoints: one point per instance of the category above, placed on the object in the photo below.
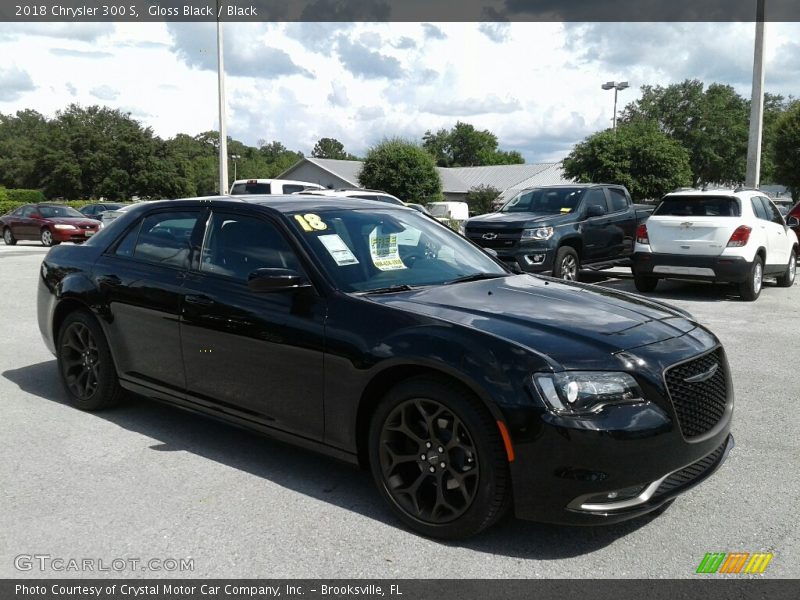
pixel 753 175
pixel 223 135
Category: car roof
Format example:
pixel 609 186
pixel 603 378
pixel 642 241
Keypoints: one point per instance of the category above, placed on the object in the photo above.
pixel 285 203
pixel 717 193
pixel 257 180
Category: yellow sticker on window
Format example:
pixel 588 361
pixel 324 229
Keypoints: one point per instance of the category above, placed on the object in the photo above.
pixel 565 210
pixel 311 222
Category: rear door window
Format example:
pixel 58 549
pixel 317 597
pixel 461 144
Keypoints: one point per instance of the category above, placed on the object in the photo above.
pixel 619 201
pixel 698 206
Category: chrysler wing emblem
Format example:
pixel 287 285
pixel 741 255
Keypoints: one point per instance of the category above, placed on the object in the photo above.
pixel 702 376
pixel 489 236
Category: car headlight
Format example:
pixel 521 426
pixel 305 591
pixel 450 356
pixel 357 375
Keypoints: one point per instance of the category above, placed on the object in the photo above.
pixel 537 233
pixel 63 226
pixel 580 392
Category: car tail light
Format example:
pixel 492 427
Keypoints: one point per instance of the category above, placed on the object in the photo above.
pixel 641 235
pixel 739 237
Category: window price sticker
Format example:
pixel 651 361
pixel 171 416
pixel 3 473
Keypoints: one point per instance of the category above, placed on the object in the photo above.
pixel 384 252
pixel 338 250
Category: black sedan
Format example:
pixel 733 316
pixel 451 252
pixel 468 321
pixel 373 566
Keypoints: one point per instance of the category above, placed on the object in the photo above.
pixel 375 334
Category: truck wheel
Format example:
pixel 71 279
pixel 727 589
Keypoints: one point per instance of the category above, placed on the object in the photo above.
pixel 787 279
pixel 567 264
pixel 750 289
pixel 644 283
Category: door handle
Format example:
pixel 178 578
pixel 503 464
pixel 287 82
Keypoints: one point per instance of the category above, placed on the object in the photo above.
pixel 199 300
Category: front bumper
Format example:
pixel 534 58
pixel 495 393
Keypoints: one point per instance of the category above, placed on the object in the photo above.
pixel 626 460
pixel 719 269
pixel 72 235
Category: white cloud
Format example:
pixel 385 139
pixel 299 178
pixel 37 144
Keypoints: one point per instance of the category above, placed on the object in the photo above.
pixel 104 92
pixel 13 83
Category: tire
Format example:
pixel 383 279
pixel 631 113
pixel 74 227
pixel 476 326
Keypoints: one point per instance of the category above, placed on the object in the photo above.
pixel 645 283
pixel 46 237
pixel 84 363
pixel 567 265
pixel 8 237
pixel 750 289
pixel 787 279
pixel 418 419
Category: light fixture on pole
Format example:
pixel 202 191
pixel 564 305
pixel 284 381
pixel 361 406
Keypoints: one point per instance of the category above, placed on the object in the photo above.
pixel 234 158
pixel 617 87
pixel 223 135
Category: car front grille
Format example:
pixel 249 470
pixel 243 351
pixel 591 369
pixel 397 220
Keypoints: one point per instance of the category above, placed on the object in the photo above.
pixel 500 238
pixel 694 471
pixel 699 392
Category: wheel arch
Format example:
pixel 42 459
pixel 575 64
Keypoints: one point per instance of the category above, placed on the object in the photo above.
pixel 574 242
pixel 383 381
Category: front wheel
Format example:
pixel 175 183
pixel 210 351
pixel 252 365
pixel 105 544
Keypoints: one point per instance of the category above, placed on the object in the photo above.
pixel 8 237
pixel 438 459
pixel 46 238
pixel 750 289
pixel 567 264
pixel 787 279
pixel 84 361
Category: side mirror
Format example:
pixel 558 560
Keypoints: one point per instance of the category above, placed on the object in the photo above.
pixel 491 251
pixel 594 210
pixel 793 222
pixel 264 281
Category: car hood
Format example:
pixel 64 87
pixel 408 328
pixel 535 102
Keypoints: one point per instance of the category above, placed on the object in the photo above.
pixel 569 322
pixel 77 221
pixel 500 220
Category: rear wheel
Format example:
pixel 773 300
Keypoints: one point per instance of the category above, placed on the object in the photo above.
pixel 438 459
pixel 8 237
pixel 567 264
pixel 644 283
pixel 750 289
pixel 787 279
pixel 47 238
pixel 84 360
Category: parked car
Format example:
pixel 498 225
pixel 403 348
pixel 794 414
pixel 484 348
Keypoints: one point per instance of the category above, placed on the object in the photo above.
pixel 108 216
pixel 363 194
pixel 449 211
pixel 51 224
pixel 94 211
pixel 559 229
pixel 419 207
pixel 377 335
pixel 793 219
pixel 271 186
pixel 717 236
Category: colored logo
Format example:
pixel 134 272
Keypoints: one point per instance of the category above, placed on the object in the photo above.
pixel 734 562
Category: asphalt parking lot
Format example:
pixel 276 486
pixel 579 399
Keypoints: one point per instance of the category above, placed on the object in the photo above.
pixel 148 481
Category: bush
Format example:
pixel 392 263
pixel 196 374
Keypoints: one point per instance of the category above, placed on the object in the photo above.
pixel 481 198
pixel 403 169
pixel 3 194
pixel 25 196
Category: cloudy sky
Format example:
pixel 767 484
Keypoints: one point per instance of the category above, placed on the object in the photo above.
pixel 535 85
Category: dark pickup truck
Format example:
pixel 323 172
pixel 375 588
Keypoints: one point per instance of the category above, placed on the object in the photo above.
pixel 561 228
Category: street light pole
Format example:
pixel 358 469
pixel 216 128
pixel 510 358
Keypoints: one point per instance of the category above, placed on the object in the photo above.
pixel 753 174
pixel 617 87
pixel 223 135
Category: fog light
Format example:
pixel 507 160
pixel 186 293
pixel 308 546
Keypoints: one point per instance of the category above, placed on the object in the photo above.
pixel 616 495
pixel 535 259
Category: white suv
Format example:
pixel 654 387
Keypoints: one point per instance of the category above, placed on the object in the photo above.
pixel 719 236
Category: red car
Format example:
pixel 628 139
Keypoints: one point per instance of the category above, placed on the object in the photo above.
pixel 794 214
pixel 51 224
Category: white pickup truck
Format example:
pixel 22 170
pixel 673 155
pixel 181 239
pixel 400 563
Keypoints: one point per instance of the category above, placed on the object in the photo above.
pixel 719 236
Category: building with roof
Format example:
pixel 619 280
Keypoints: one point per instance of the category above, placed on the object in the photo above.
pixel 456 181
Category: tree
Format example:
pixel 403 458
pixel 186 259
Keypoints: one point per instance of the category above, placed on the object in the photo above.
pixel 331 148
pixel 481 198
pixel 712 125
pixel 403 169
pixel 786 150
pixel 465 146
pixel 638 155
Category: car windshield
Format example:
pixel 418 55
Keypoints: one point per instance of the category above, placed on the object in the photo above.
pixel 367 250
pixel 698 206
pixel 51 212
pixel 547 201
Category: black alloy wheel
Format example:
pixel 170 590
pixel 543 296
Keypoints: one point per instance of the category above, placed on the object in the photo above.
pixel 438 459
pixel 87 370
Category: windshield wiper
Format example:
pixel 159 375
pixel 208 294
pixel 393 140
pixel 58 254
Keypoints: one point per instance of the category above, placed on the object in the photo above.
pixel 474 277
pixel 403 287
